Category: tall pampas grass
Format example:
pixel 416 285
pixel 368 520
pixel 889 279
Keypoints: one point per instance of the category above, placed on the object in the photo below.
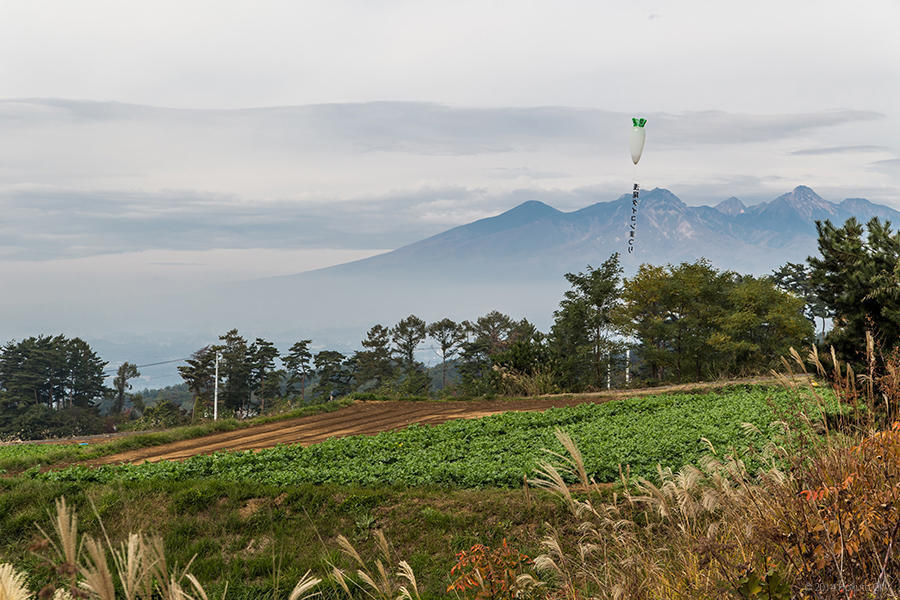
pixel 375 579
pixel 12 584
pixel 821 520
pixel 134 569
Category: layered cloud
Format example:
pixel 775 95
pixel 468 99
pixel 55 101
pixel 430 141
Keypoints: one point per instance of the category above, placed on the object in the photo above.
pixel 89 178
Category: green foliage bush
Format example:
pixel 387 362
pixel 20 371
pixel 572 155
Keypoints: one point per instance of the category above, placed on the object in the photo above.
pixel 39 421
pixel 163 415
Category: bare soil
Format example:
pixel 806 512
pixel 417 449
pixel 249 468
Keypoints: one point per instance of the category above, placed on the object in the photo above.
pixel 370 418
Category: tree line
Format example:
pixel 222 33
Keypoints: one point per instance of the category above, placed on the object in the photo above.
pixel 684 322
pixel 255 374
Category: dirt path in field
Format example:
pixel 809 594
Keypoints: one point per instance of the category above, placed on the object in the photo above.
pixel 369 418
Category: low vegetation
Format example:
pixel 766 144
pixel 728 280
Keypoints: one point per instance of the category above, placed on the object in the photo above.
pixel 258 540
pixel 636 434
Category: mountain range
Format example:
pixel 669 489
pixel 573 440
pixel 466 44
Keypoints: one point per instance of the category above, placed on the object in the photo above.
pixel 515 261
pixel 536 241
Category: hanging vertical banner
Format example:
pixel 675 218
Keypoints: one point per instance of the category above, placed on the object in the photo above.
pixel 638 136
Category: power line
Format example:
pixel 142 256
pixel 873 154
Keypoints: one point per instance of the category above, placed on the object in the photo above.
pixel 175 360
pixel 163 362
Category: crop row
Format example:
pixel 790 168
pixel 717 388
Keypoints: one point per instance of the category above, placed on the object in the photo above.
pixel 500 450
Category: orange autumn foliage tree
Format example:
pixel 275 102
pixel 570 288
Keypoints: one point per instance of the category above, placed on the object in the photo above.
pixel 485 573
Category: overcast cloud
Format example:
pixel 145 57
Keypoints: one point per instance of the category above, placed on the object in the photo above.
pixel 88 178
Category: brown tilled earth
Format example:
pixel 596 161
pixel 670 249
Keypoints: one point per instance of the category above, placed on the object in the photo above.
pixel 369 418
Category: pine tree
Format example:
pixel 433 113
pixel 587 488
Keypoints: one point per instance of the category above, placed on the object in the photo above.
pixel 857 277
pixel 796 279
pixel 406 336
pixel 125 372
pixel 262 355
pixel 234 371
pixel 582 334
pixel 374 364
pixel 199 375
pixel 488 337
pixel 297 362
pixel 334 377
pixel 449 335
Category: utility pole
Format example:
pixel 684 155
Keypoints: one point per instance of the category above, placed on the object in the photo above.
pixel 216 391
pixel 608 369
pixel 628 367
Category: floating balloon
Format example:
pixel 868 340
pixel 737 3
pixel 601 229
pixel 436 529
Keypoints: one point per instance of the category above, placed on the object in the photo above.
pixel 638 136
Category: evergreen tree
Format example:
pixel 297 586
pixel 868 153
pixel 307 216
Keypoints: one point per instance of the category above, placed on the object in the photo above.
pixel 582 333
pixel 297 362
pixel 199 375
pixel 234 371
pixel 125 372
pixel 406 336
pixel 857 277
pixel 449 335
pixel 262 355
pixel 35 371
pixel 85 374
pixel 525 351
pixel 796 278
pixel 50 386
pixel 375 365
pixel 492 332
pixel 334 377
pixel 486 338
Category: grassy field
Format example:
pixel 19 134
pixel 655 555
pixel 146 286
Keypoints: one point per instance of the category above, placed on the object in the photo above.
pixel 495 451
pixel 258 521
pixel 258 537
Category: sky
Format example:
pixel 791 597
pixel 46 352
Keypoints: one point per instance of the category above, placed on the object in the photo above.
pixel 147 147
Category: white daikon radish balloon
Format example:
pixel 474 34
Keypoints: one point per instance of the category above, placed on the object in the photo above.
pixel 638 135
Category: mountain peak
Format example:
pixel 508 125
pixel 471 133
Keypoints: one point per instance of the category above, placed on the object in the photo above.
pixel 731 207
pixel 661 197
pixel 532 206
pixel 799 206
pixel 529 211
pixel 864 210
pixel 856 203
pixel 806 202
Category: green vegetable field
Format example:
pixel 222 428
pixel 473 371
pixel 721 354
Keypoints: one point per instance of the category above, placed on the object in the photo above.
pixel 497 450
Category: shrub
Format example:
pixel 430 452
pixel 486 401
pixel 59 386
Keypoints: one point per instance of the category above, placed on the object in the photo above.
pixel 162 415
pixel 42 422
pixel 485 573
